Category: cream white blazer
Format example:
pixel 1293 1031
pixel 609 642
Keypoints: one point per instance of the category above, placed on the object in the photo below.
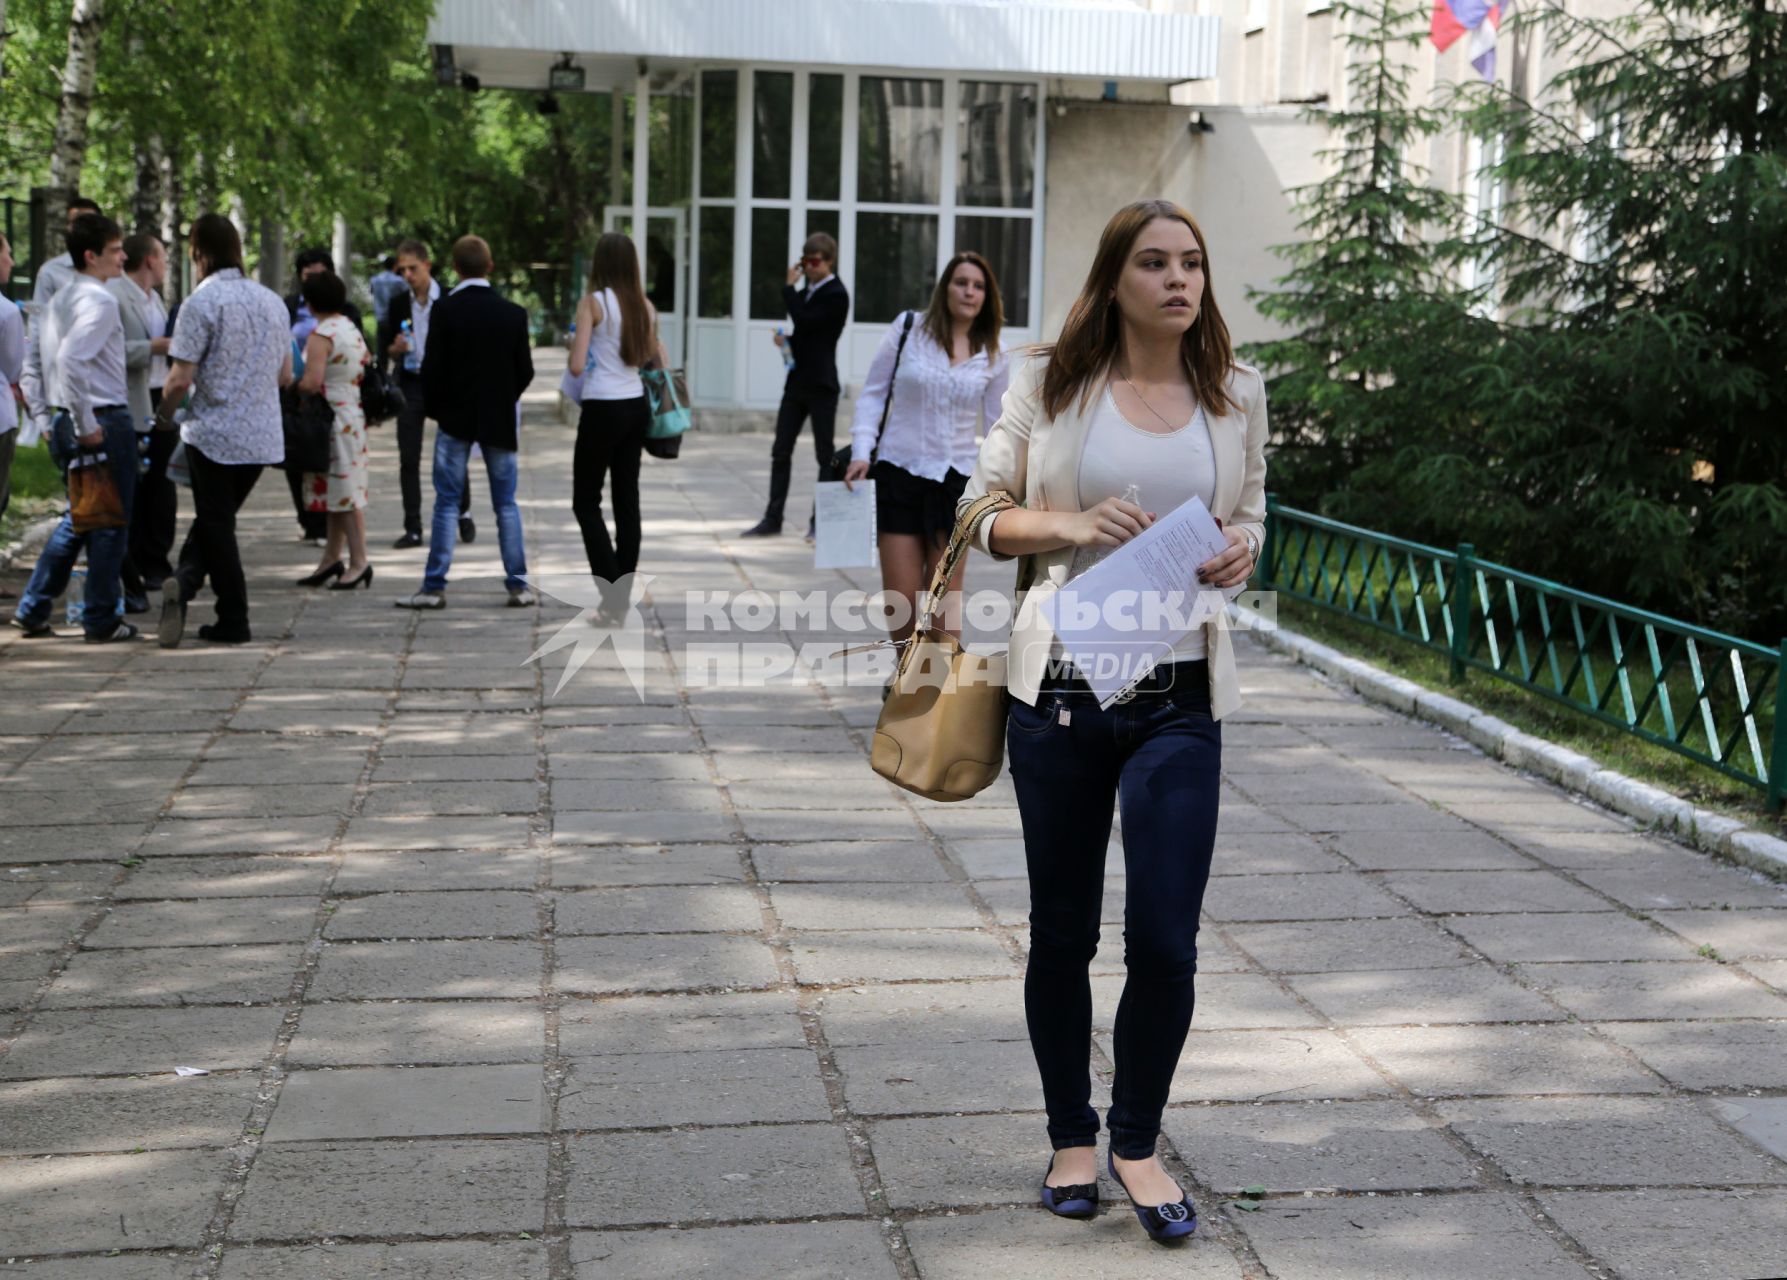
pixel 1037 460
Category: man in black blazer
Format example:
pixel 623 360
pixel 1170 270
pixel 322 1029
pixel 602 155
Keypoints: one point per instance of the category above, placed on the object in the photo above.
pixel 414 307
pixel 819 309
pixel 477 363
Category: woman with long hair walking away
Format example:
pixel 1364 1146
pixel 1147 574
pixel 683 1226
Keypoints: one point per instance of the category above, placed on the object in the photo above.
pixel 617 334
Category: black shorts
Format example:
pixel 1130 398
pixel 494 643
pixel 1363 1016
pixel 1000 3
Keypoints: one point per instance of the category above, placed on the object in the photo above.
pixel 905 503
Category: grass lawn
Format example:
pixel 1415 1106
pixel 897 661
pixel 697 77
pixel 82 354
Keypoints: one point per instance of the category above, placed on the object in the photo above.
pixel 36 491
pixel 1538 716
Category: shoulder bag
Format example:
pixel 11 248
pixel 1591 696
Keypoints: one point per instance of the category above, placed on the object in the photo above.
pixel 667 393
pixel 840 461
pixel 941 733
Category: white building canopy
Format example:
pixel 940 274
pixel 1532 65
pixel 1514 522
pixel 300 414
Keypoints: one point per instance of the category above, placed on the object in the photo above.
pixel 513 43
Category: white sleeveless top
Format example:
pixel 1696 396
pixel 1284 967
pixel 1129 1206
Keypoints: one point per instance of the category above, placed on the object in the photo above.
pixel 605 375
pixel 1165 471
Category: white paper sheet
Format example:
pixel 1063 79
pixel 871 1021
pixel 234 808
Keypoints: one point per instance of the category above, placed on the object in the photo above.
pixel 845 533
pixel 1125 613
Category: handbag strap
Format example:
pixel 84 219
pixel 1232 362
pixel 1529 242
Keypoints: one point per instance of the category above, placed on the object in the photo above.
pixel 892 380
pixel 959 541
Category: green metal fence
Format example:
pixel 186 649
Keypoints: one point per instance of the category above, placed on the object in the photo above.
pixel 1714 698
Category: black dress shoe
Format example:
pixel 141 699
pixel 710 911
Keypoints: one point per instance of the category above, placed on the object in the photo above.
pixel 407 541
pixel 764 528
pixel 217 633
pixel 323 575
pixel 468 532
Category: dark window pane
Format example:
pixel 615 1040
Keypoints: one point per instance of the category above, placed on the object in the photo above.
pixel 825 220
pixel 773 134
pixel 896 263
pixel 769 263
pixel 672 135
pixel 825 135
pixel 899 141
pixel 660 264
pixel 996 130
pixel 1005 243
pixel 719 133
pixel 716 263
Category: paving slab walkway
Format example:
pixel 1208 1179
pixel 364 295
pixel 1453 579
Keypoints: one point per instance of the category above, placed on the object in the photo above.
pixel 492 981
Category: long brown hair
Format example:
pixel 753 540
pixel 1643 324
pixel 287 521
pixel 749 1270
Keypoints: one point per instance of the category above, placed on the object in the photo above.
pixel 616 267
pixel 1092 335
pixel 983 334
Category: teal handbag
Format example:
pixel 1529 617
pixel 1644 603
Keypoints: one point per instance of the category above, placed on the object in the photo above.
pixel 667 394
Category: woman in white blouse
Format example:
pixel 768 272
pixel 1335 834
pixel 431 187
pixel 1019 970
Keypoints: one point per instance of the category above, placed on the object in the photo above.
pixel 951 375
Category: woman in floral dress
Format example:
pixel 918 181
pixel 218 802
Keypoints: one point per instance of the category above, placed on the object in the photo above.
pixel 334 358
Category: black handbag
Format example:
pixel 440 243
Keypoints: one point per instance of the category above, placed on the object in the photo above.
pixel 840 461
pixel 309 424
pixel 380 396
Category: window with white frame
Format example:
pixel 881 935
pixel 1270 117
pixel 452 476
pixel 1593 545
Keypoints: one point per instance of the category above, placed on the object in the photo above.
pixel 903 170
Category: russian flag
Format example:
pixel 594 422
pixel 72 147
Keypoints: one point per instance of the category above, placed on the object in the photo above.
pixel 1480 19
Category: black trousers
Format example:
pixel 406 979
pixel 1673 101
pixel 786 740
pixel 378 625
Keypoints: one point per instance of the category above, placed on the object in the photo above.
pixel 610 439
pixel 410 429
pixel 798 404
pixel 210 551
pixel 157 506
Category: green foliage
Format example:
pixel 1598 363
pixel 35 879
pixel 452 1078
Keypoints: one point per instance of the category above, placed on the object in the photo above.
pixel 1607 411
pixel 293 113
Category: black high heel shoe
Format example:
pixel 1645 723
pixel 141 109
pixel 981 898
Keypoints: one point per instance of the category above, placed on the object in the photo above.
pixel 1164 1223
pixel 321 576
pixel 348 584
pixel 1077 1201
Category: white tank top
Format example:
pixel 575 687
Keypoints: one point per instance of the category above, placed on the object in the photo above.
pixel 1165 470
pixel 605 375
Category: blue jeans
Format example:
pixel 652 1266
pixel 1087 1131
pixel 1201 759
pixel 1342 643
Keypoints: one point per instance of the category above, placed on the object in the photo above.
pixel 1159 757
pixel 105 547
pixel 452 458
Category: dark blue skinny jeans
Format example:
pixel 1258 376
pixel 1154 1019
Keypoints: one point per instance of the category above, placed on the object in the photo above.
pixel 1159 756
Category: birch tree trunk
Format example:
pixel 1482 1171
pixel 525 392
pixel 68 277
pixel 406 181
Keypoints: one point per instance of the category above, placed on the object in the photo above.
pixel 151 196
pixel 68 151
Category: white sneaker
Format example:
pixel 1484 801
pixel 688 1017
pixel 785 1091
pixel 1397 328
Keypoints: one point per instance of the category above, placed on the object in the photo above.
pixel 522 597
pixel 422 600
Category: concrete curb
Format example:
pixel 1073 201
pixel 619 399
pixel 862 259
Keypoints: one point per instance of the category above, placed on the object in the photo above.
pixel 1657 809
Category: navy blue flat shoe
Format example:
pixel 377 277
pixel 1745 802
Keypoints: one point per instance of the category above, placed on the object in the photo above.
pixel 1077 1201
pixel 1166 1223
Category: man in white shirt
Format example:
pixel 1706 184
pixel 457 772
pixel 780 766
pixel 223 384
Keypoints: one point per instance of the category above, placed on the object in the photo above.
pixel 146 341
pixel 12 368
pixel 416 306
pixel 75 371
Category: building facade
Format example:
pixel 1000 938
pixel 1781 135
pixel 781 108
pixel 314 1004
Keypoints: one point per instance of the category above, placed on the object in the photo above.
pixel 911 129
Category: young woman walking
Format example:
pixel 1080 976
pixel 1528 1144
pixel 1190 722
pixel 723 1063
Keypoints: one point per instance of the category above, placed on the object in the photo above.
pixel 1140 395
pixel 945 373
pixel 616 334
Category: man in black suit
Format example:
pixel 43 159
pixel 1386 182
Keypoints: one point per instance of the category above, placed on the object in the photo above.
pixel 414 308
pixel 819 309
pixel 477 363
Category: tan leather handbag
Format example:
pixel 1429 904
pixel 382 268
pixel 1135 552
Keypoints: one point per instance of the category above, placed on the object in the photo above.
pixel 942 728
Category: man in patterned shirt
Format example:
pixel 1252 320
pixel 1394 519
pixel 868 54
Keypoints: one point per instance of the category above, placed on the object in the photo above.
pixel 232 349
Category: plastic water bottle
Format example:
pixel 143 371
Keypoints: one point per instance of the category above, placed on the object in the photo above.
pixel 787 351
pixel 412 362
pixel 75 598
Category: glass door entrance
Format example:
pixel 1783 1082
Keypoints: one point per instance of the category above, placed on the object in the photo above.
pixel 666 260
